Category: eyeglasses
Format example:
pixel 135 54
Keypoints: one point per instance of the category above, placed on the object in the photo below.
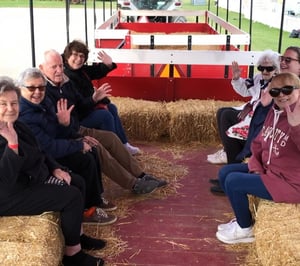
pixel 267 68
pixel 287 60
pixel 286 90
pixel 41 88
pixel 80 55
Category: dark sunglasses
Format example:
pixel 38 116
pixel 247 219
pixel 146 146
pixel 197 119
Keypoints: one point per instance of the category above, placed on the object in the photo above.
pixel 286 90
pixel 268 68
pixel 33 88
pixel 287 60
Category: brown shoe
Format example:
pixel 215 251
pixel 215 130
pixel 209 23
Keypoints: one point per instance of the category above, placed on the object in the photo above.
pixel 107 206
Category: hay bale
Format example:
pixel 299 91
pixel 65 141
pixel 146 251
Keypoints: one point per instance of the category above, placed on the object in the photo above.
pixel 142 120
pixel 277 233
pixel 31 240
pixel 179 121
pixel 194 120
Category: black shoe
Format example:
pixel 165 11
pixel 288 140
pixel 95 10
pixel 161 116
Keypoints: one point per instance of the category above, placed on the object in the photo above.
pixel 161 183
pixel 89 243
pixel 143 186
pixel 214 181
pixel 217 190
pixel 82 259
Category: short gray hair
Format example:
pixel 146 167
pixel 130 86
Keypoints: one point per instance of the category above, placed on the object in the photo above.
pixel 8 84
pixel 269 56
pixel 30 73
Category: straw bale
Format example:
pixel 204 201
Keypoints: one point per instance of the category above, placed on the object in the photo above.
pixel 179 121
pixel 31 240
pixel 142 120
pixel 194 120
pixel 277 233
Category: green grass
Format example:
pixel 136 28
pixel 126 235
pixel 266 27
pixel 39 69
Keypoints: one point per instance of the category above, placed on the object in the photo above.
pixel 263 37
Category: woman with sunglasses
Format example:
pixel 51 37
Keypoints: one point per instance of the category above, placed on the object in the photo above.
pixel 290 60
pixel 233 122
pixel 273 170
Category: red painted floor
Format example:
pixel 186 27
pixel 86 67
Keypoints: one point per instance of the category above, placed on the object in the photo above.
pixel 179 230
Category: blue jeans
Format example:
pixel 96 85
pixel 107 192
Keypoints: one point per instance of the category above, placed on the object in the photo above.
pixel 106 120
pixel 237 184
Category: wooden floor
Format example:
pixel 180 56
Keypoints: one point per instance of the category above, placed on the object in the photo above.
pixel 180 229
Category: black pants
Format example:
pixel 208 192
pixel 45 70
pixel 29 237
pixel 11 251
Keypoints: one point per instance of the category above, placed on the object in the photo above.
pixel 227 117
pixel 86 165
pixel 35 199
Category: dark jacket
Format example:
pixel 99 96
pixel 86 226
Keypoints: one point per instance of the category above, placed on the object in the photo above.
pixel 255 127
pixel 30 166
pixel 82 78
pixel 57 140
pixel 83 105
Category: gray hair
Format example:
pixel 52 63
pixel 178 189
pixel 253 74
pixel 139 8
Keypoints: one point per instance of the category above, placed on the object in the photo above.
pixel 269 56
pixel 8 84
pixel 31 73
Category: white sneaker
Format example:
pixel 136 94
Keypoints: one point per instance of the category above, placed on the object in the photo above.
pixel 220 157
pixel 234 234
pixel 131 149
pixel 226 226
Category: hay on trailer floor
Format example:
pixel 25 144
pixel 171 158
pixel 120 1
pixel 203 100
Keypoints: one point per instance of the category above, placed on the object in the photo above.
pixel 31 240
pixel 125 200
pixel 277 233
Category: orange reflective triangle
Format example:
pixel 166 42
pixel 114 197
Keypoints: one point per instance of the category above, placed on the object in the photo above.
pixel 165 72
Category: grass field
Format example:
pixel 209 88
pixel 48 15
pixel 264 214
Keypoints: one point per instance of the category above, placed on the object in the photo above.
pixel 263 36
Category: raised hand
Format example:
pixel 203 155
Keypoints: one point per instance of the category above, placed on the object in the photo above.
pixel 265 97
pixel 293 117
pixel 63 112
pixel 236 71
pixel 8 132
pixel 101 92
pixel 105 58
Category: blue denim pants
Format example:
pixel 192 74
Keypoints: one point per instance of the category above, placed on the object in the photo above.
pixel 106 120
pixel 237 183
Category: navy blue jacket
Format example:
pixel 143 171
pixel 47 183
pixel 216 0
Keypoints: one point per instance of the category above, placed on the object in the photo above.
pixel 57 140
pixel 83 105
pixel 255 127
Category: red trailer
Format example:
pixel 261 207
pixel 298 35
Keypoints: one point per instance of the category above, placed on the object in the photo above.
pixel 171 61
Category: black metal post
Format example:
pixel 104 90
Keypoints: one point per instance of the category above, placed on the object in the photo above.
pixel 85 22
pixel 68 20
pixel 32 33
pixel 281 27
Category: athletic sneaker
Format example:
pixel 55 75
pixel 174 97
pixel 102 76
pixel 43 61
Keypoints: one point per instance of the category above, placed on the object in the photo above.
pixel 99 217
pixel 226 226
pixel 143 186
pixel 161 183
pixel 220 157
pixel 131 149
pixel 234 234
pixel 107 206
